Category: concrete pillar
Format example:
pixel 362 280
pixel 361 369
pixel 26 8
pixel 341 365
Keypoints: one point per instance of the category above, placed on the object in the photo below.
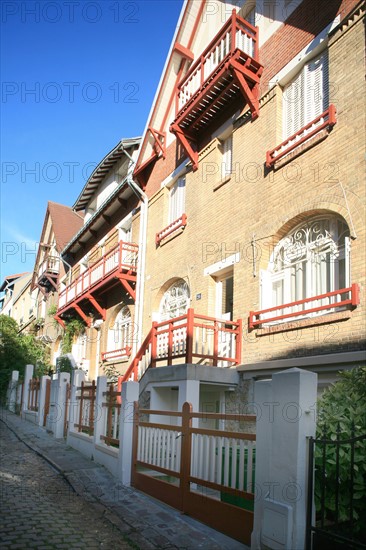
pixel 100 412
pixel 42 399
pixel 130 394
pixel 78 376
pixel 286 418
pixel 12 391
pixel 60 404
pixel 28 375
pixel 189 391
pixel 19 397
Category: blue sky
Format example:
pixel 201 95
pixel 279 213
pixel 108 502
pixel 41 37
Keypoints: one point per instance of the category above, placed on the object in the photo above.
pixel 77 76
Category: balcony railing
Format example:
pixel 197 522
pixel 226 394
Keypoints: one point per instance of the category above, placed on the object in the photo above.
pixel 235 34
pixel 324 303
pixel 120 259
pixel 51 264
pixel 325 120
pixel 116 354
pixel 171 228
pixel 191 338
pixel 227 69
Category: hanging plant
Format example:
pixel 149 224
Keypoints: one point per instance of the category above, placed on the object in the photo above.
pixel 73 329
pixel 52 310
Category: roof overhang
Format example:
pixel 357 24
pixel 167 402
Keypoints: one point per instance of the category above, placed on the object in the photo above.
pixel 105 165
pixel 114 208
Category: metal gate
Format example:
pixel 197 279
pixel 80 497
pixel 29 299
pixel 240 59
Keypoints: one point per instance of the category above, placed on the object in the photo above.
pixel 336 483
pixel 206 472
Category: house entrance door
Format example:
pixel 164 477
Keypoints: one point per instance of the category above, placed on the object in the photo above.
pixel 224 310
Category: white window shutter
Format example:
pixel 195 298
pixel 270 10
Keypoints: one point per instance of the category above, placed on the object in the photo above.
pixel 227 156
pixel 347 261
pixel 181 196
pixel 293 112
pixel 316 87
pixel 177 200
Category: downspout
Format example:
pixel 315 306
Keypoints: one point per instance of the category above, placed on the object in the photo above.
pixel 141 262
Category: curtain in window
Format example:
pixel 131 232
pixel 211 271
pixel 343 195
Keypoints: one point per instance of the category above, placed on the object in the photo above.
pixel 175 301
pixel 177 200
pixel 310 261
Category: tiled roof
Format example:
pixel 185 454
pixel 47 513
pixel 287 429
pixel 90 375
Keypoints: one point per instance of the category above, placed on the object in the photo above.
pixel 10 278
pixel 65 223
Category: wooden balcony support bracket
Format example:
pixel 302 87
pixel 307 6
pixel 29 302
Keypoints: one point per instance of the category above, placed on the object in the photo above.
pixel 97 306
pixel 186 53
pixel 181 136
pixel 42 289
pixel 127 286
pixel 242 75
pixel 52 280
pixel 84 317
pixel 122 202
pixel 59 320
pixel 159 141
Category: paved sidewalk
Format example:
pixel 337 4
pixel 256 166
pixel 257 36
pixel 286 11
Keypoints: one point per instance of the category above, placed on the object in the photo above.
pixel 143 521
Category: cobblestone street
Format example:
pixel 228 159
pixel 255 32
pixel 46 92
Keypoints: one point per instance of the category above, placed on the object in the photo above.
pixel 39 509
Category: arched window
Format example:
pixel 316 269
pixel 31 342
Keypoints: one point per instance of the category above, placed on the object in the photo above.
pixel 119 334
pixel 78 350
pixel 313 259
pixel 175 301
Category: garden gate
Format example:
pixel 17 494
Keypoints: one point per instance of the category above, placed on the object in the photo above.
pixel 206 472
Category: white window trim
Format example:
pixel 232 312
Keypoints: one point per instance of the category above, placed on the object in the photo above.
pixel 179 172
pixel 219 267
pixel 112 344
pixel 315 47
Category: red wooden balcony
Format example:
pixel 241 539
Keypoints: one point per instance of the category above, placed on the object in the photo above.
pixel 190 338
pixel 228 67
pixel 119 263
pixel 48 273
pixel 322 304
pixel 325 120
pixel 116 354
pixel 180 223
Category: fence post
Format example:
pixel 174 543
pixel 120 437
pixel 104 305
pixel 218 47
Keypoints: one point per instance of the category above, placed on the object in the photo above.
pixel 28 375
pixel 130 394
pixel 42 399
pixel 12 391
pixel 78 376
pixel 190 334
pixel 285 419
pixel 100 411
pixel 60 404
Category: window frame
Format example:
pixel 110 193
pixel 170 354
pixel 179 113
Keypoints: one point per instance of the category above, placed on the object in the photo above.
pixel 333 277
pixel 299 79
pixel 163 315
pixel 120 343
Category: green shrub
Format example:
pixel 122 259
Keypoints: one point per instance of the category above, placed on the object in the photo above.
pixel 342 415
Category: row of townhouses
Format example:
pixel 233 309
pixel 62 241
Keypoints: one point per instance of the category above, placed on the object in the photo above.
pixel 228 242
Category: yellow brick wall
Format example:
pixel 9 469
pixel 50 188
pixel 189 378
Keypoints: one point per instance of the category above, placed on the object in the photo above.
pixel 256 204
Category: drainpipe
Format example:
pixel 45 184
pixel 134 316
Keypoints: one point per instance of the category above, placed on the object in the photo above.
pixel 141 263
